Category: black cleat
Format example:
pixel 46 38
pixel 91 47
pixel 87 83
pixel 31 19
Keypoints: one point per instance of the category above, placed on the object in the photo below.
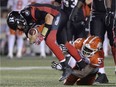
pixel 102 78
pixel 66 72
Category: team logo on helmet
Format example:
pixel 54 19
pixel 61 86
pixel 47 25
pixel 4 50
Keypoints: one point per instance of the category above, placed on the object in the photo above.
pixel 11 20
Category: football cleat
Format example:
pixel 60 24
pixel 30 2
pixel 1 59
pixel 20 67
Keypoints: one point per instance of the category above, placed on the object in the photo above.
pixel 102 78
pixel 56 66
pixel 66 72
pixel 10 56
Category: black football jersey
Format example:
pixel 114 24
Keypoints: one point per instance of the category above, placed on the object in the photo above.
pixel 98 6
pixel 35 14
pixel 68 5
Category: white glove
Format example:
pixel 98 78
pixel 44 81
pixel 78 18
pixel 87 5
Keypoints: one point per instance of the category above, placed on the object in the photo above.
pixel 56 66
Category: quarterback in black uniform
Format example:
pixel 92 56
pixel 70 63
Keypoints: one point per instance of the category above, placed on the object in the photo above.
pixel 51 19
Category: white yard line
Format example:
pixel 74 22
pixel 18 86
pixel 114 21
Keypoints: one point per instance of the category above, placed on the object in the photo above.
pixel 26 68
pixel 33 67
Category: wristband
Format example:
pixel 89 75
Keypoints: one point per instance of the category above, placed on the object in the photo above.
pixel 46 28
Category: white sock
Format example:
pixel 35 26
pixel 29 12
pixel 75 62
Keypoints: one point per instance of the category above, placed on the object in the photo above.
pixel 42 48
pixel 105 45
pixel 72 62
pixel 11 41
pixel 19 45
pixel 101 70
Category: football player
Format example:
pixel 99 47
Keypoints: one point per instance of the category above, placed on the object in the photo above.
pixel 71 28
pixel 50 18
pixel 91 53
pixel 101 10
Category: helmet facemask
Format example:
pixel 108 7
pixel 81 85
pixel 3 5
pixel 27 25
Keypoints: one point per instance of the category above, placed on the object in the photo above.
pixel 91 45
pixel 21 23
pixel 16 21
pixel 87 51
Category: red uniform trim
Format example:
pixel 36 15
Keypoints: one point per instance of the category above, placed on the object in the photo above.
pixel 46 9
pixel 49 10
pixel 33 13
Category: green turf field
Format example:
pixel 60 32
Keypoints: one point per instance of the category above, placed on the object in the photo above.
pixel 36 72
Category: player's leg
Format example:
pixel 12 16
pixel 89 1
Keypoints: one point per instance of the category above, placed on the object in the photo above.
pixel 88 80
pixel 51 43
pixel 97 28
pixel 106 45
pixel 19 44
pixel 11 41
pixel 113 47
pixel 42 50
pixel 70 80
pixel 102 77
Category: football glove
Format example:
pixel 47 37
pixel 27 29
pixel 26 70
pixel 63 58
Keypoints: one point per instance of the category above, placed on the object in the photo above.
pixel 39 39
pixel 108 17
pixel 56 66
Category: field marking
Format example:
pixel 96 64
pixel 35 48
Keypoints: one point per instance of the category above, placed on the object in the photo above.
pixel 25 68
pixel 33 67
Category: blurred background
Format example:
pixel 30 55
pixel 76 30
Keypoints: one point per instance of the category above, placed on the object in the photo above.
pixel 10 45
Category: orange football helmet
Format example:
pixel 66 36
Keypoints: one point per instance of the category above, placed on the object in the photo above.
pixel 91 45
pixel 78 43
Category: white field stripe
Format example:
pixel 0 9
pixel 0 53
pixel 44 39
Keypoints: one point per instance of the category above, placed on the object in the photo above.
pixel 26 68
pixel 34 68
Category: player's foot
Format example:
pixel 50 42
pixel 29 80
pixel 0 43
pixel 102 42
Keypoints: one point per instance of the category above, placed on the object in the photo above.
pixel 66 72
pixel 19 55
pixel 42 56
pixel 10 56
pixel 102 78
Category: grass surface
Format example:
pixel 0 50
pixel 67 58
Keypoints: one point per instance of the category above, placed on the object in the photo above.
pixel 41 77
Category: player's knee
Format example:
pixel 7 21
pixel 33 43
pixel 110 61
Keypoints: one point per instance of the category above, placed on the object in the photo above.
pixel 50 41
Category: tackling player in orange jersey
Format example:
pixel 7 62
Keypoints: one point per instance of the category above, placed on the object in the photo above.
pixel 91 52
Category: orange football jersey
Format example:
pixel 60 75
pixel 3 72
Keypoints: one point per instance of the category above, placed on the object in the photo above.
pixel 97 59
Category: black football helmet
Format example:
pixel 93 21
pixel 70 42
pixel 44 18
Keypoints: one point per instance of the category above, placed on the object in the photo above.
pixel 16 21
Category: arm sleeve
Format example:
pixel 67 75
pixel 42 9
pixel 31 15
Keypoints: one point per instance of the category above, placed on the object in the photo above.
pixel 84 72
pixel 76 9
pixel 40 15
pixel 59 1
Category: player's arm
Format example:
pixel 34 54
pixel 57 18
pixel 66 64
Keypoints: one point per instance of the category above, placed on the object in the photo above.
pixel 48 19
pixel 40 35
pixel 76 9
pixel 84 72
pixel 108 4
pixel 48 24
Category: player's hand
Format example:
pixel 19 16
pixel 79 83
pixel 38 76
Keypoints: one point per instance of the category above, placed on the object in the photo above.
pixel 34 36
pixel 39 39
pixel 56 66
pixel 108 18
